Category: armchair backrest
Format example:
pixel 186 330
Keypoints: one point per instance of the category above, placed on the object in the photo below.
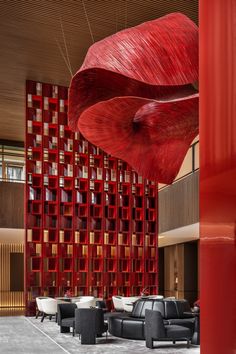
pixel 176 308
pixel 49 306
pixel 117 303
pixel 183 306
pixel 171 310
pixel 89 320
pixel 86 303
pixel 65 311
pixel 128 301
pixel 39 303
pixel 154 324
pixel 142 305
pixel 168 308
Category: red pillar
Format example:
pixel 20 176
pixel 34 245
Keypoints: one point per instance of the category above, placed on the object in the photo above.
pixel 218 176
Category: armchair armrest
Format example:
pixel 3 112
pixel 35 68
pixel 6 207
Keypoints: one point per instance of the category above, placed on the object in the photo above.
pixel 154 324
pixel 154 327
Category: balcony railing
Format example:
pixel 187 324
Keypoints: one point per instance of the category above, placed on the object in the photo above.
pixel 12 164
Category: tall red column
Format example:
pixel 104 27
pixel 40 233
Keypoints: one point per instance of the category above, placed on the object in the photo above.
pixel 218 176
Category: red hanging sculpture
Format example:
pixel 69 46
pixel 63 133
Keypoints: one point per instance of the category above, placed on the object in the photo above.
pixel 134 95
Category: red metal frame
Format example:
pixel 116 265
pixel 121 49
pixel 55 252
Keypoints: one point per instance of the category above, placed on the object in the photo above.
pixel 91 222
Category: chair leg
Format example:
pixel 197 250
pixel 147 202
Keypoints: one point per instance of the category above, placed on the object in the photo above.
pixel 149 342
pixel 188 343
pixel 73 331
pixel 56 317
pixel 50 317
pixel 106 336
pixel 37 314
pixel 173 341
pixel 64 329
pixel 43 317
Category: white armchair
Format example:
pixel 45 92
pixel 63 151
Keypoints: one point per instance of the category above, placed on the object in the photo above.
pixel 85 302
pixel 117 303
pixel 49 307
pixel 75 299
pixel 39 308
pixel 128 302
pixel 158 297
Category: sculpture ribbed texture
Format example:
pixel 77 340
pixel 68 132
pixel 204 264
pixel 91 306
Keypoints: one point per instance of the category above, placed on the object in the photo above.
pixel 133 96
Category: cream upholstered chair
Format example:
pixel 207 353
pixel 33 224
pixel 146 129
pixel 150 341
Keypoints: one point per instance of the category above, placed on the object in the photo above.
pixel 39 308
pixel 128 302
pixel 85 302
pixel 49 307
pixel 75 299
pixel 158 297
pixel 86 298
pixel 117 303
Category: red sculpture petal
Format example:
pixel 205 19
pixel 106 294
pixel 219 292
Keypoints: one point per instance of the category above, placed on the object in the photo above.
pixel 159 52
pixel 132 81
pixel 152 136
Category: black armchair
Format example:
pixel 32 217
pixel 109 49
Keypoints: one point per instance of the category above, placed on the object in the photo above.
pixel 101 304
pixel 66 317
pixel 89 323
pixel 156 329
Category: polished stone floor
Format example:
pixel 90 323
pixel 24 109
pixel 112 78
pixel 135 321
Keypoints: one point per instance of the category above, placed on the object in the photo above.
pixel 30 336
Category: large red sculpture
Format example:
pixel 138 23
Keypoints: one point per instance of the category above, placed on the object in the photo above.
pixel 134 95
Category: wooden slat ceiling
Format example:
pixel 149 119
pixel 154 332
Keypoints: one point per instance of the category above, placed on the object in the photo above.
pixel 30 29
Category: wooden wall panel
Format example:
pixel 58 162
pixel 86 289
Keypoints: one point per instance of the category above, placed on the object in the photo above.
pixel 169 270
pixel 181 271
pixel 191 271
pixel 9 298
pixel 11 205
pixel 179 203
pixel 161 265
pixel 16 271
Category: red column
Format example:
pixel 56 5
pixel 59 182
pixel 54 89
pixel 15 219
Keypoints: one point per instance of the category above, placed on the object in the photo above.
pixel 218 176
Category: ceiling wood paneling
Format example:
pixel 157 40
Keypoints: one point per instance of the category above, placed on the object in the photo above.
pixel 29 30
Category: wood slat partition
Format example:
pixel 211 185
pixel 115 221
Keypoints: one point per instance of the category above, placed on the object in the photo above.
pixel 9 298
pixel 179 203
pixel 181 271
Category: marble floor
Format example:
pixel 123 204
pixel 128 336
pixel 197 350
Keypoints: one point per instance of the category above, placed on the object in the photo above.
pixel 29 336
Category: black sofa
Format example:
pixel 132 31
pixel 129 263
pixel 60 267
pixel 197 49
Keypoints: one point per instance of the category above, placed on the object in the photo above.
pixel 132 326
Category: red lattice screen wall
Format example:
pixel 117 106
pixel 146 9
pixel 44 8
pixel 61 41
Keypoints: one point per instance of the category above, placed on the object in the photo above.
pixel 91 221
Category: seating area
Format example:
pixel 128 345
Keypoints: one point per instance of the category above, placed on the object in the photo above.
pixel 150 318
pixel 173 312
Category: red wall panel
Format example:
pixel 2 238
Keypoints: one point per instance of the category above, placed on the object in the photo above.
pixel 218 176
pixel 91 221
